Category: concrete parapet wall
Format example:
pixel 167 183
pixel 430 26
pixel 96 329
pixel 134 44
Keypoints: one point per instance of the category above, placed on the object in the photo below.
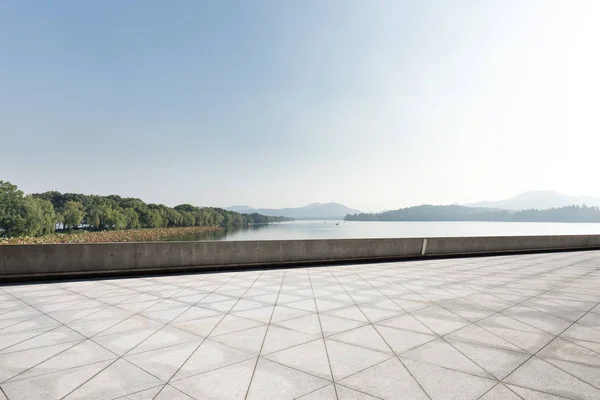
pixel 500 244
pixel 61 260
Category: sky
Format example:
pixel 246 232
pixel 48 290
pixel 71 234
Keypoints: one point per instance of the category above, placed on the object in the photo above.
pixel 373 104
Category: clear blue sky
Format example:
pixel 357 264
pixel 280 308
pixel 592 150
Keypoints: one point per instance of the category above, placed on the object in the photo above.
pixel 375 104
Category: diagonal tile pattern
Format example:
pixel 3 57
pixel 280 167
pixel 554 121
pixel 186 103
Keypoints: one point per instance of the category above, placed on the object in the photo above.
pixel 506 327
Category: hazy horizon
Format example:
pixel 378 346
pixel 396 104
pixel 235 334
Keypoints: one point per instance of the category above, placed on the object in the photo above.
pixel 374 105
pixel 261 207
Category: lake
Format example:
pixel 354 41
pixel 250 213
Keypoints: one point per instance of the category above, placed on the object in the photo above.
pixel 374 229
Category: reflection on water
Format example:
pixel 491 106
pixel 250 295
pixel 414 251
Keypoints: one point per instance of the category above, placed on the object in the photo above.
pixel 221 234
pixel 372 229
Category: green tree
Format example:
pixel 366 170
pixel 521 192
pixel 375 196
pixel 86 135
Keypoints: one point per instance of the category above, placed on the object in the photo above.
pixel 140 208
pixel 56 198
pixel 12 220
pixel 112 217
pixel 119 219
pixel 186 207
pixel 40 213
pixel 39 216
pixel 32 213
pixel 92 218
pixel 105 215
pixel 59 219
pixel 93 213
pixel 73 214
pixel 174 218
pixel 48 216
pixel 154 219
pixel 132 220
pixel 187 218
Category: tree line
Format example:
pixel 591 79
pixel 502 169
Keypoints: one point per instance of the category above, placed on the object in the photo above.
pixel 574 213
pixel 43 213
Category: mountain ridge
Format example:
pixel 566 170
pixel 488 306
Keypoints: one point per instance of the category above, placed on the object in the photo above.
pixel 310 211
pixel 538 199
pixel 571 213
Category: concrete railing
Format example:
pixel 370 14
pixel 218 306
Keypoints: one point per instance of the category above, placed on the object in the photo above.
pixel 62 260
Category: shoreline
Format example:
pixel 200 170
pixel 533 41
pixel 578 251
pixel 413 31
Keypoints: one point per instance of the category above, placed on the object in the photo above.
pixel 114 236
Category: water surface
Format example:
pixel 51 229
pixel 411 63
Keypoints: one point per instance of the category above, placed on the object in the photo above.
pixel 376 229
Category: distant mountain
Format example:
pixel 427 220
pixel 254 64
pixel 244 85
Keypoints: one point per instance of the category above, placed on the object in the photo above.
pixel 240 209
pixel 310 211
pixel 538 199
pixel 462 213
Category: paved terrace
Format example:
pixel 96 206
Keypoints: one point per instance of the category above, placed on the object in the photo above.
pixel 516 327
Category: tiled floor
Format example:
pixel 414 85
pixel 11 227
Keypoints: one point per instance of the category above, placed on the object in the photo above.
pixel 520 327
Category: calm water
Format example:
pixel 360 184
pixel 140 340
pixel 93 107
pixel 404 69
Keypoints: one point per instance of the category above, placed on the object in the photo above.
pixel 355 229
